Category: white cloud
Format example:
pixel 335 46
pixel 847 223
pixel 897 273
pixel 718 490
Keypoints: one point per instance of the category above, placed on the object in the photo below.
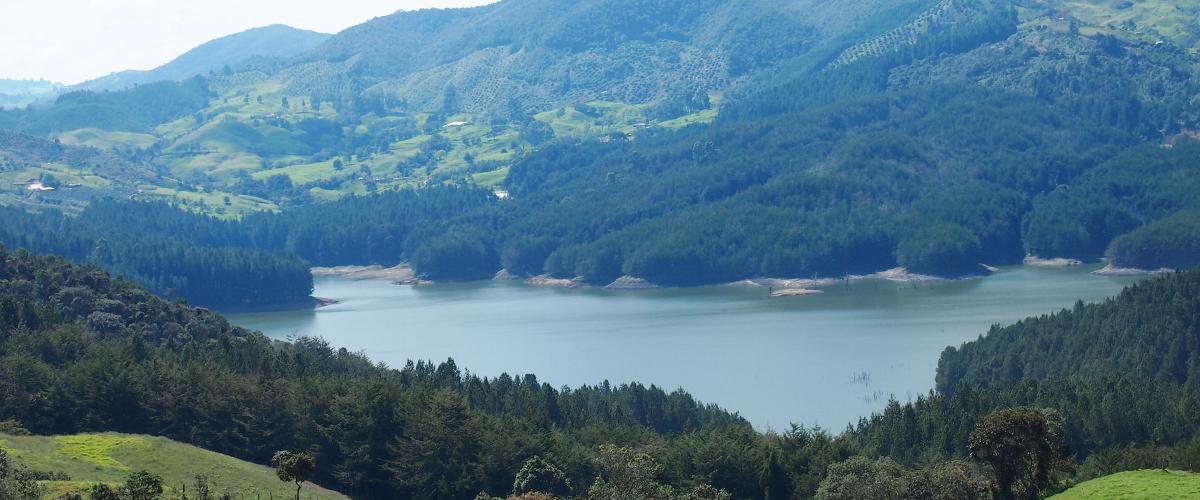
pixel 75 40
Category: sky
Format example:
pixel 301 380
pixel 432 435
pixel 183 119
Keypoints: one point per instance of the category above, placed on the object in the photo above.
pixel 71 41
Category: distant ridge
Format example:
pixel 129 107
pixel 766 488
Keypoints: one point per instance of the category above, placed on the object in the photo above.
pixel 16 93
pixel 232 51
pixel 518 56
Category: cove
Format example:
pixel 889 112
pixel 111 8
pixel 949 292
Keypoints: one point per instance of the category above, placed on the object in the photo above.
pixel 825 359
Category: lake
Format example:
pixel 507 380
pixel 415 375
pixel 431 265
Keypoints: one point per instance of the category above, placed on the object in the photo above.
pixel 824 359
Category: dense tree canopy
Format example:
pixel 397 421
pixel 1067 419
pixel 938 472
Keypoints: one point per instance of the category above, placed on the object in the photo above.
pixel 1149 330
pixel 174 253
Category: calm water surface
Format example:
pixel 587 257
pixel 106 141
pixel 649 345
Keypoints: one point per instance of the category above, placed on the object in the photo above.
pixel 824 359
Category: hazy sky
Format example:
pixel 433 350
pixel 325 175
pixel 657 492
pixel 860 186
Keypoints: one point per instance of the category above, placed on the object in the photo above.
pixel 71 41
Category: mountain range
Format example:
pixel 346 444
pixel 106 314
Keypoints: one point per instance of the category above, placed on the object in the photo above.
pixel 542 54
pixel 220 55
pixel 683 143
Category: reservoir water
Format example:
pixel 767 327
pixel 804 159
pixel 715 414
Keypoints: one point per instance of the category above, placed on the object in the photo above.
pixel 824 359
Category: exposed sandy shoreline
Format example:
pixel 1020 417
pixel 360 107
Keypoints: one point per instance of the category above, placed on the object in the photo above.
pixel 1034 261
pixel 399 274
pixel 1112 270
pixel 784 287
pixel 550 281
pixel 778 287
pixel 631 283
pixel 795 292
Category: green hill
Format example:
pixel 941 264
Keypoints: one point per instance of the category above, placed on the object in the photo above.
pixel 1138 484
pixel 111 457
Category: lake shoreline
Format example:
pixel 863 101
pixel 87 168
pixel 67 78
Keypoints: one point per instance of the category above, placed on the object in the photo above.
pixel 1114 270
pixel 811 345
pixel 311 303
pixel 1035 261
pixel 403 274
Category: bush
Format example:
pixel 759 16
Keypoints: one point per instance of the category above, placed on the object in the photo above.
pixel 16 482
pixel 861 477
pixel 540 476
pixel 142 485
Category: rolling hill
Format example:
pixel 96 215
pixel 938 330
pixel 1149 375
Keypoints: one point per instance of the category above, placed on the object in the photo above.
pixel 109 458
pixel 78 174
pixel 1137 485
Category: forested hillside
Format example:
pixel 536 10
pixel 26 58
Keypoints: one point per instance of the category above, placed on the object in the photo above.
pixel 686 144
pixel 175 254
pixel 867 184
pixel 1149 331
pixel 1121 374
pixel 259 262
pixel 1124 199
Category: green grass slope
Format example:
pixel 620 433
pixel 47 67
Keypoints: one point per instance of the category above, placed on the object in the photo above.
pixel 111 457
pixel 1139 484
